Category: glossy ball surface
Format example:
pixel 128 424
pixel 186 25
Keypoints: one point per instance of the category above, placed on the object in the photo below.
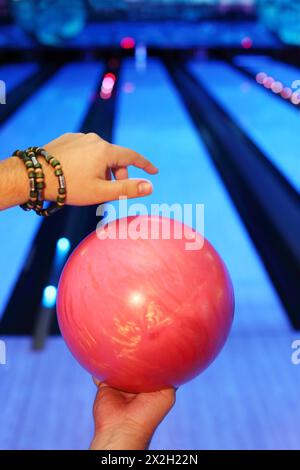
pixel 145 314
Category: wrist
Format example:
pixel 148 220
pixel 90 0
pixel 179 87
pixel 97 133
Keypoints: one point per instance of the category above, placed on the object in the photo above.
pixel 123 438
pixel 51 185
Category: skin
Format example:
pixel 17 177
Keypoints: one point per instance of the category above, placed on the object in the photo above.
pixel 123 421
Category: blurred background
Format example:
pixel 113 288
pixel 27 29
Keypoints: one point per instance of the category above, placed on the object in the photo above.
pixel 210 91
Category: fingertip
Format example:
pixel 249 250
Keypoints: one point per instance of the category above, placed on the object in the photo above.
pixel 145 188
pixel 153 170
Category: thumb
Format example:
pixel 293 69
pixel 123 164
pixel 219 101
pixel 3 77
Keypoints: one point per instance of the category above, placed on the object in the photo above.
pixel 131 188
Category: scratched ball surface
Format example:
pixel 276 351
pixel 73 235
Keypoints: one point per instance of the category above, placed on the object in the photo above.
pixel 145 303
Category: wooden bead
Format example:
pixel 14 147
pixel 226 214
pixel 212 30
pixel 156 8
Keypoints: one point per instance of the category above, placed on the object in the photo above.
pixel 62 182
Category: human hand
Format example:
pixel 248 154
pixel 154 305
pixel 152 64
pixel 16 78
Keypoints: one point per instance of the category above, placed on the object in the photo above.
pixel 127 421
pixel 89 163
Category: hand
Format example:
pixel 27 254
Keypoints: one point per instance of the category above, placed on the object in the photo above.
pixel 126 421
pixel 89 163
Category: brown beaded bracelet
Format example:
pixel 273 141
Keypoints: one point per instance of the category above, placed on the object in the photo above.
pixel 62 192
pixel 33 193
pixel 39 180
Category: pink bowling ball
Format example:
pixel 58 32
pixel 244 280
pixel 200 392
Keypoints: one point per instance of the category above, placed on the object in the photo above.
pixel 144 312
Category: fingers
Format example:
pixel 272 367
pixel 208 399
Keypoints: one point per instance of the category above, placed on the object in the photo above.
pixel 99 384
pixel 122 157
pixel 96 382
pixel 120 173
pixel 130 188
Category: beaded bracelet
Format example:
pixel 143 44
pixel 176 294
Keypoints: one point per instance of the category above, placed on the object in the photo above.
pixel 39 180
pixel 33 193
pixel 62 192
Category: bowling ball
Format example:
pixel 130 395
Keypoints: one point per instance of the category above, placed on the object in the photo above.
pixel 139 308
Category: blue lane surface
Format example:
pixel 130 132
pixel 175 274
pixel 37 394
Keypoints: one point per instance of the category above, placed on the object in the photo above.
pixel 285 73
pixel 210 412
pixel 57 107
pixel 153 121
pixel 14 74
pixel 248 399
pixel 270 123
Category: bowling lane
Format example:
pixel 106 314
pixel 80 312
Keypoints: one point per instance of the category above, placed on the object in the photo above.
pixel 72 88
pixel 270 123
pixel 210 412
pixel 48 398
pixel 14 74
pixel 285 73
pixel 153 120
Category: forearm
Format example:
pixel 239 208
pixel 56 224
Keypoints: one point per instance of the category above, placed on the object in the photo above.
pixel 14 183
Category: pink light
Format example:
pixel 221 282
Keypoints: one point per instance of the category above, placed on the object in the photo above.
pixel 110 75
pixel 128 87
pixel 127 43
pixel 107 87
pixel 247 43
pixel 286 93
pixel 268 82
pixel 260 77
pixel 295 98
pixel 105 95
pixel 108 84
pixel 277 87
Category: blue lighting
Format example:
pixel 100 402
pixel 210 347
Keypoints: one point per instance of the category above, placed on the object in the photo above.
pixel 63 245
pixel 49 296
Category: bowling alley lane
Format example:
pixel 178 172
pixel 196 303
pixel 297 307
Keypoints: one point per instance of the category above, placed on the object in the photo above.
pixel 14 74
pixel 280 71
pixel 176 81
pixel 261 333
pixel 73 86
pixel 261 115
pixel 187 176
pixel 254 367
pixel 248 399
